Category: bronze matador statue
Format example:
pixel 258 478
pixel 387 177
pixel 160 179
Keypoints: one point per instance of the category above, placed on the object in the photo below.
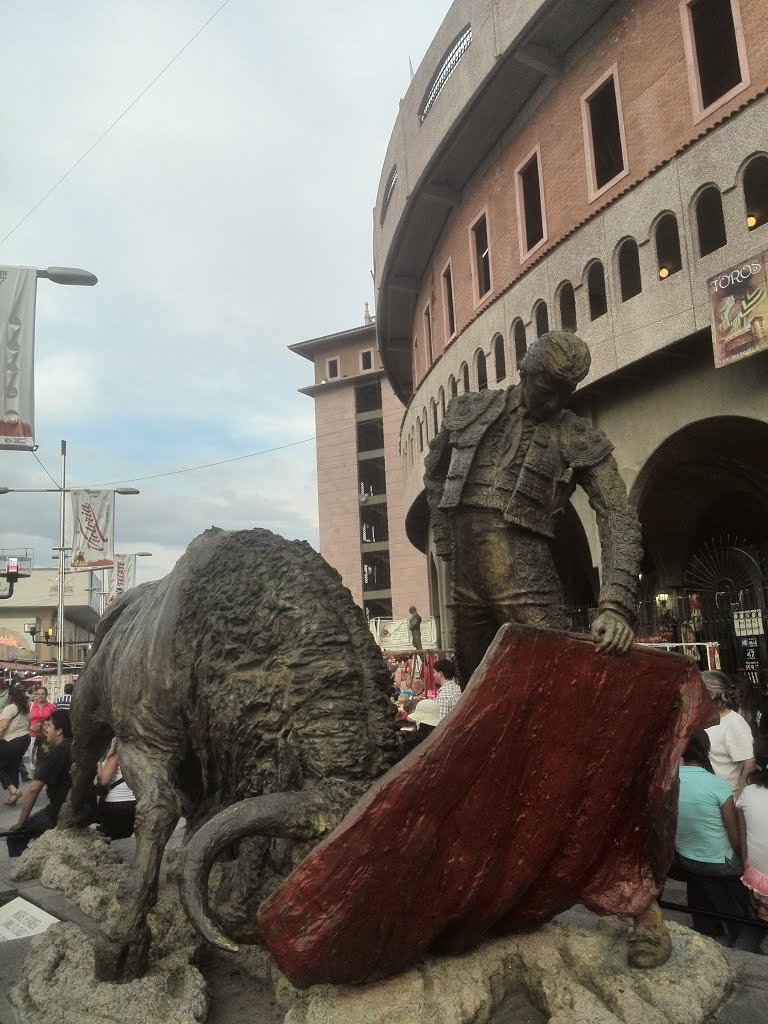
pixel 498 475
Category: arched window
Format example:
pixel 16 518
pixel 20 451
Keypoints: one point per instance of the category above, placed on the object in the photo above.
pixel 668 255
pixel 710 222
pixel 630 282
pixel 464 371
pixel 518 340
pixel 756 192
pixel 482 371
pixel 421 434
pixel 541 318
pixel 410 446
pixel 596 292
pixel 453 386
pixel 425 421
pixel 441 399
pixel 567 307
pixel 499 359
pixel 433 411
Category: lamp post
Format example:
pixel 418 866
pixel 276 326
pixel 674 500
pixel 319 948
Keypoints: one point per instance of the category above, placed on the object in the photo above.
pixel 61 490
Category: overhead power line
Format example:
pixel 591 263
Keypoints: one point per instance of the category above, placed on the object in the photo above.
pixel 116 121
pixel 207 465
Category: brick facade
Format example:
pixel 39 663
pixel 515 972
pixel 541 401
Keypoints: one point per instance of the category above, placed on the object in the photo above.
pixel 645 42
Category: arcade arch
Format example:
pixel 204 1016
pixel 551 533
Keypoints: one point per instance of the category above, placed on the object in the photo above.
pixel 702 500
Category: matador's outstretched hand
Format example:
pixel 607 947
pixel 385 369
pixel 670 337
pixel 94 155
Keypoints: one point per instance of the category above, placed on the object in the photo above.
pixel 612 633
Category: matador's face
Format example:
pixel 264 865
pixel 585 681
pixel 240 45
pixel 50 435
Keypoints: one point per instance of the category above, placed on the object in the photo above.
pixel 544 396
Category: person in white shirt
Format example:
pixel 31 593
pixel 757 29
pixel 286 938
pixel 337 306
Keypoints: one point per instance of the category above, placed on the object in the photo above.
pixel 752 810
pixel 14 740
pixel 732 747
pixel 117 805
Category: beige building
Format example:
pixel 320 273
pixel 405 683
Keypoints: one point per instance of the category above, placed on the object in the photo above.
pixel 33 605
pixel 599 167
pixel 359 474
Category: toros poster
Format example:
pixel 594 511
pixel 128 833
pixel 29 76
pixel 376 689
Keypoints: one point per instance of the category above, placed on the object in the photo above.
pixel 738 299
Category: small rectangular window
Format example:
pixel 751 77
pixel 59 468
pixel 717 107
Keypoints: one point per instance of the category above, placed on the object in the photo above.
pixel 428 335
pixel 368 397
pixel 366 359
pixel 604 141
pixel 450 314
pixel 530 204
pixel 481 257
pixel 331 368
pixel 715 52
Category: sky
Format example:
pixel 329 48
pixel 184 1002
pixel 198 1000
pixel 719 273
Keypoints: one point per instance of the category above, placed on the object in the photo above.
pixel 227 215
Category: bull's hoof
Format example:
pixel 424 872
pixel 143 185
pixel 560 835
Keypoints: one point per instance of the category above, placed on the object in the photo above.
pixel 69 819
pixel 119 959
pixel 649 945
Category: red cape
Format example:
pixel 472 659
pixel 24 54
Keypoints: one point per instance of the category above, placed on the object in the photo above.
pixel 553 782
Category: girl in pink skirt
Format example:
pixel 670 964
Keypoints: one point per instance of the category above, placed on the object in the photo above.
pixel 753 819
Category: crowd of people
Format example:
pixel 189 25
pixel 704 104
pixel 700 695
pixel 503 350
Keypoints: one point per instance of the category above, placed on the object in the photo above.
pixel 44 725
pixel 417 712
pixel 721 845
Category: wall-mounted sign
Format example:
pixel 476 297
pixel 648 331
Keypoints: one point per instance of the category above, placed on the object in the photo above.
pixel 738 301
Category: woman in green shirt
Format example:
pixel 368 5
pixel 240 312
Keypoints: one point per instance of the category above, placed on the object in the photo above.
pixel 707 845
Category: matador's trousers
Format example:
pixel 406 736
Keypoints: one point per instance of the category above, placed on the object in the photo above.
pixel 501 573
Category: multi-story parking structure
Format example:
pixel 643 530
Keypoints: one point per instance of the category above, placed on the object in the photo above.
pixel 591 165
pixel 359 476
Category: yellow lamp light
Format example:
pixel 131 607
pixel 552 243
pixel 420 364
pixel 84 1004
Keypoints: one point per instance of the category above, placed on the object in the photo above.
pixel 663 272
pixel 751 221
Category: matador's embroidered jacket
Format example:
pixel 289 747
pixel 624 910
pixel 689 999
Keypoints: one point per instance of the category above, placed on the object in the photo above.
pixel 489 454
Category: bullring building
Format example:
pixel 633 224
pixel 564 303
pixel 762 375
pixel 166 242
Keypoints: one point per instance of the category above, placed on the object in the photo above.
pixel 599 166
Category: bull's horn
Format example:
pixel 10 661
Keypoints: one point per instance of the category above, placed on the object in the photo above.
pixel 279 815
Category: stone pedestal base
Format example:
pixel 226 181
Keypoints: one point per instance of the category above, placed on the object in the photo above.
pixel 573 975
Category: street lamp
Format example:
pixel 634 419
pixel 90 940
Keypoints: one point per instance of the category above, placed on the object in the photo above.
pixel 68 275
pixel 62 490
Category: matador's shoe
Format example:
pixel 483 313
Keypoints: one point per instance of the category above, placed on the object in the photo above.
pixel 649 944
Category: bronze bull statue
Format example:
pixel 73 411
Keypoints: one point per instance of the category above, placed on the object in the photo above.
pixel 246 679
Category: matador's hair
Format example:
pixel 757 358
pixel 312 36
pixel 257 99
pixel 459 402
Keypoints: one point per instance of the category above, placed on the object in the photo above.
pixel 560 355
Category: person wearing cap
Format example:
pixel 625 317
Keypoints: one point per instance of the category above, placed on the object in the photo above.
pixel 448 690
pixel 422 717
pixel 732 747
pixel 426 715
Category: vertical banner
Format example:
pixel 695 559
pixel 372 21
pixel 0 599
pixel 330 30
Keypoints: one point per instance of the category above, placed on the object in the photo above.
pixel 122 576
pixel 738 300
pixel 92 543
pixel 18 289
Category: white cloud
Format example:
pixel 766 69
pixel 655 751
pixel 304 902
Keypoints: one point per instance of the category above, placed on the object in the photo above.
pixel 227 215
